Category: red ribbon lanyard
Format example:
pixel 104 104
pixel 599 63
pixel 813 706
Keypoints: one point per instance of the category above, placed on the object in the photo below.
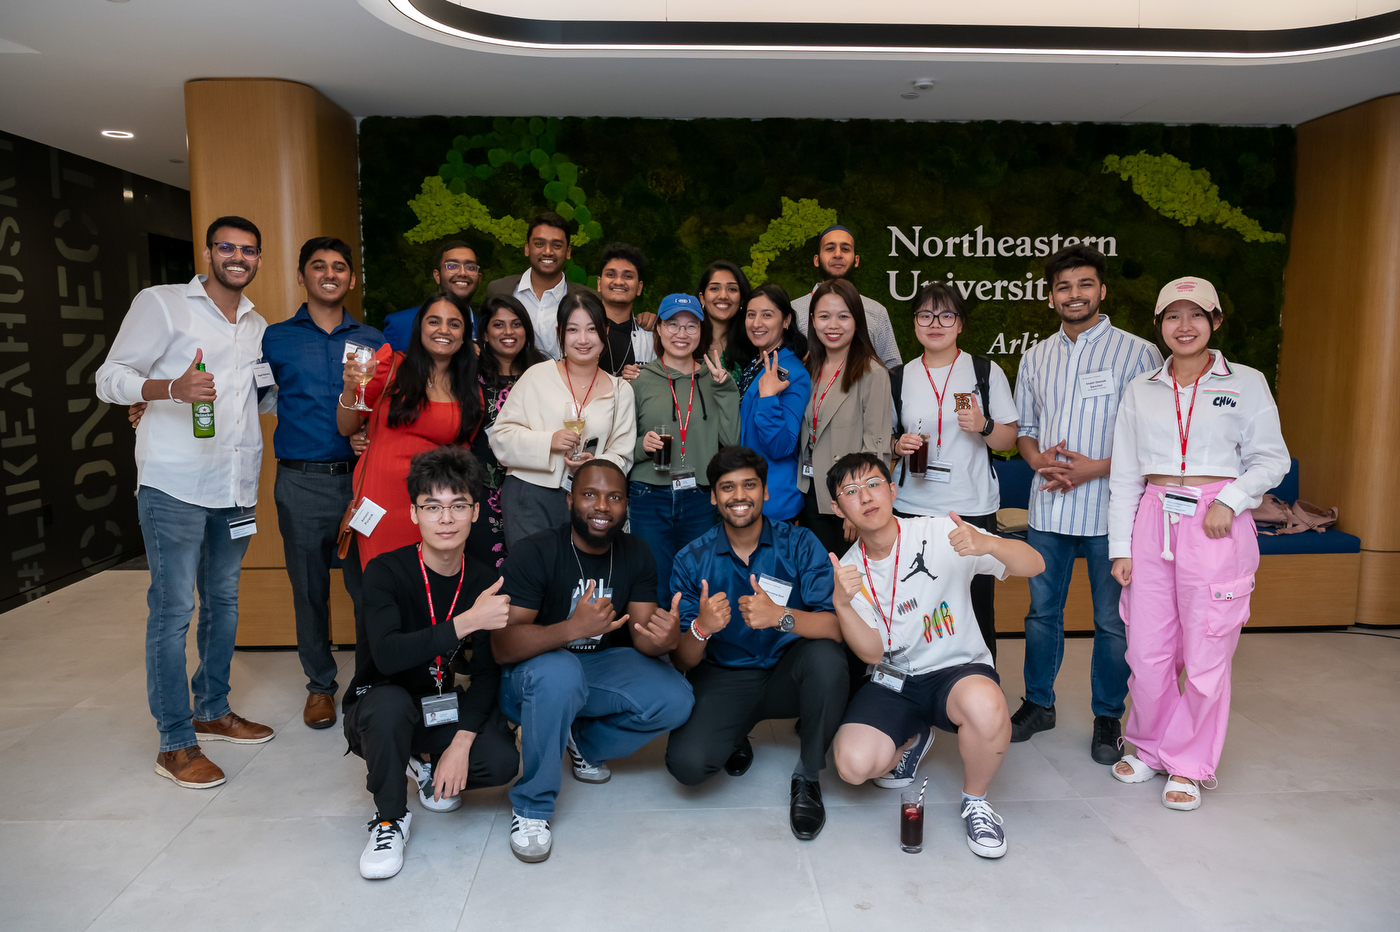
pixel 940 396
pixel 437 670
pixel 569 381
pixel 1184 433
pixel 894 585
pixel 817 405
pixel 684 425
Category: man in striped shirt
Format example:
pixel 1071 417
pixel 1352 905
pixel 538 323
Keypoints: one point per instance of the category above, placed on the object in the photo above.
pixel 1067 393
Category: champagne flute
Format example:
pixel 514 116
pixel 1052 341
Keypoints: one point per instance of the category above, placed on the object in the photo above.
pixel 364 355
pixel 574 421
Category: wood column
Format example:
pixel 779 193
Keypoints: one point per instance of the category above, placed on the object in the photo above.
pixel 1339 378
pixel 284 156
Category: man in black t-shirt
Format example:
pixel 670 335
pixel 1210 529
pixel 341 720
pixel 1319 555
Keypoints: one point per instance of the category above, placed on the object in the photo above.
pixel 403 713
pixel 573 673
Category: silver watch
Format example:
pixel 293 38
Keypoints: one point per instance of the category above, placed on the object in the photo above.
pixel 786 623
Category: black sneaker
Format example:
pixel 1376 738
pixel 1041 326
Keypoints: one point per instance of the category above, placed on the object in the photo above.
pixel 1031 718
pixel 806 813
pixel 740 761
pixel 1104 748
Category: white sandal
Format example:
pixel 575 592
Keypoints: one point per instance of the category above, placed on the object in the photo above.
pixel 1191 789
pixel 1141 772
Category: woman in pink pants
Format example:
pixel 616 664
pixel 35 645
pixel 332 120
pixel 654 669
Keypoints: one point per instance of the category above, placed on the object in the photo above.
pixel 1196 445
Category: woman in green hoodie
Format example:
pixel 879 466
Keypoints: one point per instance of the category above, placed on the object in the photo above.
pixel 687 408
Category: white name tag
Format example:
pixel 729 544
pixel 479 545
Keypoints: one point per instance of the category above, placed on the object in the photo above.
pixel 262 374
pixel 439 710
pixel 567 483
pixel 680 481
pixel 778 589
pixel 243 526
pixel 366 517
pixel 1181 502
pixel 939 472
pixel 888 676
pixel 1094 384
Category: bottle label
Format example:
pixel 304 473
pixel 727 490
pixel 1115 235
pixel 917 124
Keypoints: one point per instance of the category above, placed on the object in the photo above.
pixel 204 416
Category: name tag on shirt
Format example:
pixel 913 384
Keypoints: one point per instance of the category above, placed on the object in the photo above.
pixel 243 525
pixel 680 481
pixel 262 374
pixel 889 676
pixel 439 710
pixel 939 472
pixel 778 589
pixel 1094 384
pixel 1181 502
pixel 366 517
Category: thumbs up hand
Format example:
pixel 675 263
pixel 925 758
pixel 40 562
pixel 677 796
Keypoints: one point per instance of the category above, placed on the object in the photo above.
pixel 713 613
pixel 490 611
pixel 972 420
pixel 967 540
pixel 193 385
pixel 848 582
pixel 759 610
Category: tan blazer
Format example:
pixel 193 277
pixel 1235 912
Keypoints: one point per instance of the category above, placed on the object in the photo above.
pixel 857 421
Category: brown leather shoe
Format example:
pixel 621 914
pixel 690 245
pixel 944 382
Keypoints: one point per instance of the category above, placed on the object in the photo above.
pixel 233 728
pixel 189 767
pixel 319 711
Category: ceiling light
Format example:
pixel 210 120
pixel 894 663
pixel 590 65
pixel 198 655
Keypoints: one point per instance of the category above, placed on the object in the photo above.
pixel 923 84
pixel 118 134
pixel 909 95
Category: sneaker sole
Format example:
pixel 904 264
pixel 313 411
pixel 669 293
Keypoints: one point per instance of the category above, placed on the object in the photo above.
pixel 161 771
pixel 375 875
pixel 210 736
pixel 899 783
pixel 594 780
pixel 1016 740
pixel 323 723
pixel 429 804
pixel 529 858
pixel 982 851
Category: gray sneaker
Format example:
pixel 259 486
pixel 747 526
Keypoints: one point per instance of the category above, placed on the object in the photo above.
pixel 984 834
pixel 583 770
pixel 903 772
pixel 530 840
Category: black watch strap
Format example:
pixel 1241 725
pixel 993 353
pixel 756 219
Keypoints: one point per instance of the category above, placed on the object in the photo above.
pixel 990 426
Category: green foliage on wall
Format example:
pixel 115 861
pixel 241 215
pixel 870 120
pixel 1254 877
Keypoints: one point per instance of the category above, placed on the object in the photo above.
pixel 690 191
pixel 1174 190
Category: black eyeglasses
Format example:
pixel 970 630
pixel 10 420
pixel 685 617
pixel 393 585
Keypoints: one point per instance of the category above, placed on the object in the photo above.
pixel 944 318
pixel 228 249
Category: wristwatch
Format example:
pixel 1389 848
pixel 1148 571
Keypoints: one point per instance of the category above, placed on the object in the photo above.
pixel 786 623
pixel 987 428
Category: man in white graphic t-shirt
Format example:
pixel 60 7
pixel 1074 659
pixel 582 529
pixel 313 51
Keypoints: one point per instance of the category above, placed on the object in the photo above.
pixel 903 601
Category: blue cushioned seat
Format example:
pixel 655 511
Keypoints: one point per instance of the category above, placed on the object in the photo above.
pixel 1329 541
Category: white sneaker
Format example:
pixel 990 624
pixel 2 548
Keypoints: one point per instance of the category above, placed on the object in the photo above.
pixel 530 839
pixel 421 773
pixel 585 771
pixel 383 854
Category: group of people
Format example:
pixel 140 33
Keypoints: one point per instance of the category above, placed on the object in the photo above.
pixel 637 570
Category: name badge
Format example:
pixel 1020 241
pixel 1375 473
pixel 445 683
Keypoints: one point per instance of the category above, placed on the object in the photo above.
pixel 680 481
pixel 243 525
pixel 1094 384
pixel 567 483
pixel 778 589
pixel 366 517
pixel 1181 502
pixel 439 710
pixel 889 676
pixel 939 472
pixel 807 457
pixel 262 374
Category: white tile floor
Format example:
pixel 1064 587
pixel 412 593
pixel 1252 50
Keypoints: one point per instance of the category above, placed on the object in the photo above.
pixel 1303 833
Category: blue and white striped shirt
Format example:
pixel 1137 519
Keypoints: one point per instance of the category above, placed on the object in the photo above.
pixel 1052 405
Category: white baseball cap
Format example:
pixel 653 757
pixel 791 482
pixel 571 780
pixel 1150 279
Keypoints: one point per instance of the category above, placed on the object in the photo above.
pixel 1196 290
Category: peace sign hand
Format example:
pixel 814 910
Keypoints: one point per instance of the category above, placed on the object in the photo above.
pixel 717 371
pixel 772 381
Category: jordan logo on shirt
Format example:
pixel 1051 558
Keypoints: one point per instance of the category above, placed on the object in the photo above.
pixel 918 566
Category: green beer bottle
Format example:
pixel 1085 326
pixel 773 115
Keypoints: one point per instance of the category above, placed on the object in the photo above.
pixel 203 414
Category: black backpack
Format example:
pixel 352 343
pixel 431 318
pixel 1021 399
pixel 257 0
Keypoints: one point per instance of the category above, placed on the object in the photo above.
pixel 981 371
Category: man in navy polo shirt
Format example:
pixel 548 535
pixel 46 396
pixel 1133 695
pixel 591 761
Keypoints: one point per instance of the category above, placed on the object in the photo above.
pixel 314 462
pixel 456 272
pixel 759 638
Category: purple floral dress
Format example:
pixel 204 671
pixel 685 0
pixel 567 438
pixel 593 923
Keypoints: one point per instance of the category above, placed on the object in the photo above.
pixel 487 542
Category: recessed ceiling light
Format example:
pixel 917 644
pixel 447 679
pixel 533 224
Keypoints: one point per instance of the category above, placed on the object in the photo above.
pixel 118 134
pixel 909 95
pixel 923 84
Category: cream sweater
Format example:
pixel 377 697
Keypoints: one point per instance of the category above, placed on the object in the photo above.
pixel 534 410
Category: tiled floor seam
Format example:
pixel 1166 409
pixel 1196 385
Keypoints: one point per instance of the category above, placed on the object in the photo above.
pixel 481 859
pixel 144 867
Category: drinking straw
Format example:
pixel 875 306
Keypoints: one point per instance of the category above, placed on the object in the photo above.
pixel 921 792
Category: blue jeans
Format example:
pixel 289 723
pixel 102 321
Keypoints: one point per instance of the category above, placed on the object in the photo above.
pixel 1045 624
pixel 621 699
pixel 668 521
pixel 188 547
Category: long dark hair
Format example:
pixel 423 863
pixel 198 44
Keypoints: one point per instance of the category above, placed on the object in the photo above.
pixel 861 357
pixel 745 289
pixel 408 395
pixel 529 353
pixel 590 304
pixel 741 348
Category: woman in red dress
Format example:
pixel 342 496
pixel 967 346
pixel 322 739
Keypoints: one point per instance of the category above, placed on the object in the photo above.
pixel 433 399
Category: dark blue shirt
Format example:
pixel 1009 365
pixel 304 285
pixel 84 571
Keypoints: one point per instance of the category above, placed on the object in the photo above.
pixel 398 328
pixel 308 365
pixel 792 554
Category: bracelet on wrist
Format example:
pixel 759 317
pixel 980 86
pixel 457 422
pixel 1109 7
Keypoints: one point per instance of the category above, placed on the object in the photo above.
pixel 170 392
pixel 696 633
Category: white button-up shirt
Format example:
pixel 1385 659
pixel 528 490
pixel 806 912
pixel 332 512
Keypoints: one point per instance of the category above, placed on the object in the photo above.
pixel 544 313
pixel 1060 396
pixel 157 340
pixel 1234 433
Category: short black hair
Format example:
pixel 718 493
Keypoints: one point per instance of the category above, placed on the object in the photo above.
pixel 939 297
pixel 851 464
pixel 1075 257
pixel 236 223
pixel 448 246
pixel 448 467
pixel 627 253
pixel 591 304
pixel 599 463
pixel 317 244
pixel 729 459
pixel 548 218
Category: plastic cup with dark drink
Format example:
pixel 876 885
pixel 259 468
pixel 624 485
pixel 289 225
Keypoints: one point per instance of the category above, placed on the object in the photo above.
pixel 918 460
pixel 911 821
pixel 661 458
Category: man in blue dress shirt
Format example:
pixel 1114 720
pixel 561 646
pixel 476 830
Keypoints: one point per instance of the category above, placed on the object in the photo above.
pixel 456 272
pixel 314 462
pixel 759 638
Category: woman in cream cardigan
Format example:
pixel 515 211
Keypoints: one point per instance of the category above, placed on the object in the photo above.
pixel 529 439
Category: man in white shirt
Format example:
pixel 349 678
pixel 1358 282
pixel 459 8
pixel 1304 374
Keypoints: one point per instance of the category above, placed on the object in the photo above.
pixel 195 495
pixel 543 285
pixel 1067 393
pixel 836 258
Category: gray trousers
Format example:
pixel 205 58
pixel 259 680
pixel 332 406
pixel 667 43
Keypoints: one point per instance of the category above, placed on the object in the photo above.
pixel 527 509
pixel 309 509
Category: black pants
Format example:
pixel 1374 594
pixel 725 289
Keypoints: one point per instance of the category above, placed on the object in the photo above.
pixel 982 589
pixel 385 726
pixel 810 681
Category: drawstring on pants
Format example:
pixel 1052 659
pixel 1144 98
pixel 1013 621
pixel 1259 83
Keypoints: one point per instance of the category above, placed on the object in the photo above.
pixel 1167 529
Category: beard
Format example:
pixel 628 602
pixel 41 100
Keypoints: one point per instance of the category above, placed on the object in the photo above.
pixel 592 538
pixel 739 523
pixel 846 275
pixel 216 269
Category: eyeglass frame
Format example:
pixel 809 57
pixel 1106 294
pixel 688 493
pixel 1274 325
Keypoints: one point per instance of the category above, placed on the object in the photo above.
pixel 674 327
pixel 227 249
pixel 464 266
pixel 436 515
pixel 939 317
pixel 870 485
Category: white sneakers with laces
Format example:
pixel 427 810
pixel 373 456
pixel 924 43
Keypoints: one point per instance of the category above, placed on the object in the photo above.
pixel 421 773
pixel 530 839
pixel 583 770
pixel 383 854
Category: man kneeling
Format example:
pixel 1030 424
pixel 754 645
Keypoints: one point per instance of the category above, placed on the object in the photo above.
pixel 905 608
pixel 755 597
pixel 402 713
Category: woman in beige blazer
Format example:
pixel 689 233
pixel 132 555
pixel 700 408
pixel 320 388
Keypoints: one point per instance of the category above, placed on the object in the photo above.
pixel 849 411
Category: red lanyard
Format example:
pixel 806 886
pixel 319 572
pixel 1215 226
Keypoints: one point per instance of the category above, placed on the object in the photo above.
pixel 940 396
pixel 1184 433
pixel 817 405
pixel 569 381
pixel 684 425
pixel 894 584
pixel 437 670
